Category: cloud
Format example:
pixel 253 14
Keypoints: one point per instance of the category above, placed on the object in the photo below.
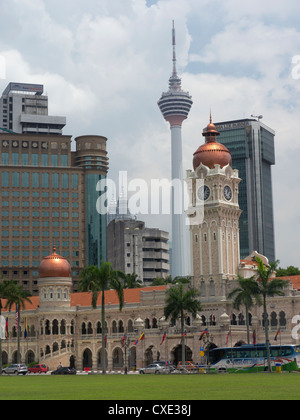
pixel 105 64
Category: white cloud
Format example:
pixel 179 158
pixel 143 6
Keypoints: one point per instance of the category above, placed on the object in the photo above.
pixel 104 65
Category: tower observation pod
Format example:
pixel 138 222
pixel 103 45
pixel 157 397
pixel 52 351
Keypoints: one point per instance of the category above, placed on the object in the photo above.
pixel 175 106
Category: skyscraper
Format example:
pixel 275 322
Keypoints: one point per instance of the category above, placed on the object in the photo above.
pixel 251 144
pixel 175 106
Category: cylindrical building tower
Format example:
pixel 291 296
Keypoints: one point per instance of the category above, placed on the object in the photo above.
pixel 175 106
pixel 91 155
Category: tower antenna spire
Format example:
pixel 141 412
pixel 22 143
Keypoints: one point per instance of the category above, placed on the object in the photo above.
pixel 174 50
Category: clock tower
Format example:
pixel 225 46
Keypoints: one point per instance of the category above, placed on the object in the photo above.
pixel 214 217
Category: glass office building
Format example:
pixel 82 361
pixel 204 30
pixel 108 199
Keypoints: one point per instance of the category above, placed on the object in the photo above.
pixel 251 144
pixel 48 197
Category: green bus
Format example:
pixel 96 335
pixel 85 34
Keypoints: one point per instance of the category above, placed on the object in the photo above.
pixel 253 358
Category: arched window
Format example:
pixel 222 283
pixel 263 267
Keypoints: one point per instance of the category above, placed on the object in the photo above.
pixel 83 328
pixel 99 328
pixel 274 320
pixel 282 319
pixel 47 327
pixel 55 327
pixel 241 319
pixel 212 288
pixel 63 326
pixel 90 328
pixel 203 289
pixel 121 327
pixel 114 327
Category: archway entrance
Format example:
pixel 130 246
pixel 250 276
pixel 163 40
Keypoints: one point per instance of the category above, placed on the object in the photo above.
pixel 177 354
pixel 87 361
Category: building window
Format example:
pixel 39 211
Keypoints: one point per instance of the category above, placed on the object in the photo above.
pixel 25 179
pixel 74 180
pixel 15 179
pixel 35 180
pixel 45 180
pixel 65 181
pixel 4 158
pixel 44 160
pixel 64 160
pixel 5 179
pixel 25 159
pixel 55 181
pixel 35 159
pixel 54 160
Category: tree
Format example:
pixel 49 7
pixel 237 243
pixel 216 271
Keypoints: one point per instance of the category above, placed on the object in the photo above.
pixel 96 280
pixel 243 295
pixel 130 280
pixel 15 295
pixel 289 271
pixel 180 300
pixel 268 287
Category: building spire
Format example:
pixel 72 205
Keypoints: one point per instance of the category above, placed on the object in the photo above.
pixel 174 81
pixel 174 50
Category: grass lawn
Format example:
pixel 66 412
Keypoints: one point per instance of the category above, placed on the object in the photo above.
pixel 285 386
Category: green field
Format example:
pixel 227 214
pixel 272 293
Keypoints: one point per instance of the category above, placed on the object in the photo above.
pixel 264 386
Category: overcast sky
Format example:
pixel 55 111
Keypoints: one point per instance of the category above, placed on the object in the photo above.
pixel 105 63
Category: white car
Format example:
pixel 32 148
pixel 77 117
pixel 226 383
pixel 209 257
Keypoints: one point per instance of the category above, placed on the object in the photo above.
pixel 154 368
pixel 17 369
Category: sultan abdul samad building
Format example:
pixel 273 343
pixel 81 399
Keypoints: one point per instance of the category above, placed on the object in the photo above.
pixel 62 325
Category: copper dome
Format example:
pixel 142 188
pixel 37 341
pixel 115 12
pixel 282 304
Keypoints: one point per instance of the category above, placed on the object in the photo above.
pixel 212 153
pixel 54 266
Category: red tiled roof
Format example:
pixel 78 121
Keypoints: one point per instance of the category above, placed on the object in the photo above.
pixel 85 299
pixel 28 306
pixel 130 296
pixel 295 280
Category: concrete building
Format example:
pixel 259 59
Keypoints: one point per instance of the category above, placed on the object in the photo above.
pixel 251 144
pixel 24 110
pixel 135 249
pixel 175 106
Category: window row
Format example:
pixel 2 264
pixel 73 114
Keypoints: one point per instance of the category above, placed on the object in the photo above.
pixel 37 180
pixel 36 213
pixel 34 159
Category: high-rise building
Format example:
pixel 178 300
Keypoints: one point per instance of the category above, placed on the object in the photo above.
pixel 24 110
pixel 49 197
pixel 175 106
pixel 136 249
pixel 251 144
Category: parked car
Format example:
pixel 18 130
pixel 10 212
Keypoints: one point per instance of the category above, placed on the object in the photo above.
pixel 166 364
pixel 38 369
pixel 64 371
pixel 154 368
pixel 17 369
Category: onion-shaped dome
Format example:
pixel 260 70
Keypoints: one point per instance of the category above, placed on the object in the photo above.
pixel 54 265
pixel 211 153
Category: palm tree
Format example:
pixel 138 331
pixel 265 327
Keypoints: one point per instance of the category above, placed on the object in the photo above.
pixel 179 301
pixel 98 280
pixel 268 287
pixel 15 295
pixel 130 280
pixel 243 295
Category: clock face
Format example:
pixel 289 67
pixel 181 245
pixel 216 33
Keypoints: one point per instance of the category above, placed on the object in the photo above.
pixel 227 193
pixel 203 193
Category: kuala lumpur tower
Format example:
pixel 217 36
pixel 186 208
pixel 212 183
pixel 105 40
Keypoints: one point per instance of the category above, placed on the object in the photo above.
pixel 175 106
